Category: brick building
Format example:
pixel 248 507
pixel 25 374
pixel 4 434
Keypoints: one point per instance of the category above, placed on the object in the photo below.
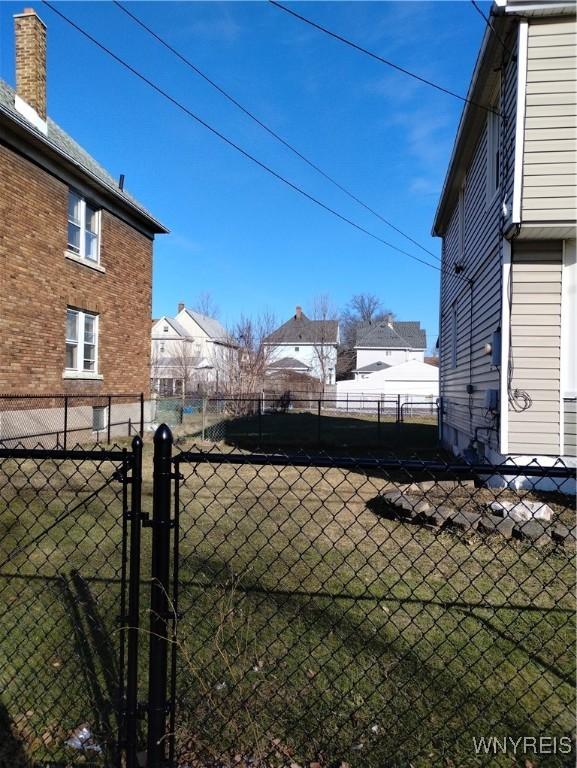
pixel 75 251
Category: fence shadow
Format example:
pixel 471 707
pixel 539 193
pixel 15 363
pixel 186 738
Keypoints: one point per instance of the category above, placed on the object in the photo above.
pixel 97 659
pixel 297 430
pixel 12 754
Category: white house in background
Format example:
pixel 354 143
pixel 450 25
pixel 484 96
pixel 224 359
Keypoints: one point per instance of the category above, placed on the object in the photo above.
pixel 413 381
pixel 188 352
pixel 388 342
pixel 506 216
pixel 305 346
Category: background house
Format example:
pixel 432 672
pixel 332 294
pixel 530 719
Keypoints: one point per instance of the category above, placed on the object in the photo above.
pixel 507 219
pixel 389 342
pixel 301 344
pixel 75 251
pixel 189 352
pixel 411 382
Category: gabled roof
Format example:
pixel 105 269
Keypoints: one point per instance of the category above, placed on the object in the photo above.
pixel 209 325
pixel 302 330
pixel 175 325
pixel 288 363
pixel 396 334
pixel 58 142
pixel 378 366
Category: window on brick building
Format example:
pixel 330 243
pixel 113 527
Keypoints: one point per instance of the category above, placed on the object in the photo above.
pixel 83 228
pixel 81 341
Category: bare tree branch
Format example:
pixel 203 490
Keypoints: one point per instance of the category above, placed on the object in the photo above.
pixel 205 305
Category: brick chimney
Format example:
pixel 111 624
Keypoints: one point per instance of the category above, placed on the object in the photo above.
pixel 180 306
pixel 298 313
pixel 30 47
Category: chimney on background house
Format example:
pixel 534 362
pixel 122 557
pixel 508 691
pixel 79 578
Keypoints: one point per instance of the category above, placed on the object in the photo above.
pixel 298 313
pixel 30 48
pixel 180 306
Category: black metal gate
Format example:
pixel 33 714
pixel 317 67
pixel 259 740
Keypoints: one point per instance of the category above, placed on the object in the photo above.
pixel 69 626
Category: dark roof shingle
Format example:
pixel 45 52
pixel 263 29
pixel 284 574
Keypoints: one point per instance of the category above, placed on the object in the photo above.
pixel 400 334
pixel 301 329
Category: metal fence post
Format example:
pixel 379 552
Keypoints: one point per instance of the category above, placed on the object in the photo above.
pixel 398 408
pixel 259 423
pixel 133 617
pixel 379 420
pixel 65 420
pixel 319 421
pixel 109 419
pixel 203 417
pixel 159 602
pixel 141 414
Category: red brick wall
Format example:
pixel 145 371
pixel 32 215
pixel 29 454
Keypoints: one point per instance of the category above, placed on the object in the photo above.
pixel 37 283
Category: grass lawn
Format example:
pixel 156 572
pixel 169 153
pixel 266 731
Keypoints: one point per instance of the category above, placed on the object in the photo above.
pixel 314 627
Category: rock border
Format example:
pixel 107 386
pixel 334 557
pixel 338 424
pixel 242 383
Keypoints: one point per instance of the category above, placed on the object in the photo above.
pixel 416 508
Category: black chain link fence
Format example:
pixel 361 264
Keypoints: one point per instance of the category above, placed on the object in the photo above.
pixel 350 612
pixel 62 577
pixel 281 610
pixel 294 422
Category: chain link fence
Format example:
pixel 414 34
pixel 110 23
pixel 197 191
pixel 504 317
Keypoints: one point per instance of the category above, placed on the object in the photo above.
pixel 62 575
pixel 63 421
pixel 375 613
pixel 218 608
pixel 306 421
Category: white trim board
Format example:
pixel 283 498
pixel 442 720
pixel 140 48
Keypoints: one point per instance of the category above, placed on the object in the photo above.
pixel 520 120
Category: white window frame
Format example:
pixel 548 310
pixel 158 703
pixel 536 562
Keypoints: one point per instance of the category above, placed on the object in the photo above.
pixel 494 146
pixel 79 370
pixel 81 255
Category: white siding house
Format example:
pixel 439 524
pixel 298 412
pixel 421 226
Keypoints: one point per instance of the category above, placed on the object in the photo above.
pixel 414 381
pixel 304 345
pixel 389 342
pixel 507 220
pixel 187 351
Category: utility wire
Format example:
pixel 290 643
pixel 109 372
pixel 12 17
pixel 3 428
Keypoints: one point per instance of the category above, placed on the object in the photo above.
pixel 488 22
pixel 380 58
pixel 232 144
pixel 268 129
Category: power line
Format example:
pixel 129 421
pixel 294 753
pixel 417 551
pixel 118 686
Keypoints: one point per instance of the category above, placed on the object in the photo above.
pixel 232 144
pixel 487 21
pixel 268 129
pixel 380 58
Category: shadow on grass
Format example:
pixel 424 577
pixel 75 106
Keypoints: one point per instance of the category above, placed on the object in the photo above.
pixel 332 433
pixel 97 660
pixel 433 689
pixel 12 754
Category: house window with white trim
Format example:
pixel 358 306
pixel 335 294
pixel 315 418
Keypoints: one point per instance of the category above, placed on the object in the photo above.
pixel 494 147
pixel 83 228
pixel 81 341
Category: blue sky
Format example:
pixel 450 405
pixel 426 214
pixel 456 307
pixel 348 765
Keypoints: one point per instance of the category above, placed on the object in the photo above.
pixel 236 232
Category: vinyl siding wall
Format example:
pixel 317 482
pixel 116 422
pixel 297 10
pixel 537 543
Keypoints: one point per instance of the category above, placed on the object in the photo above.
pixel 478 307
pixel 549 167
pixel 535 347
